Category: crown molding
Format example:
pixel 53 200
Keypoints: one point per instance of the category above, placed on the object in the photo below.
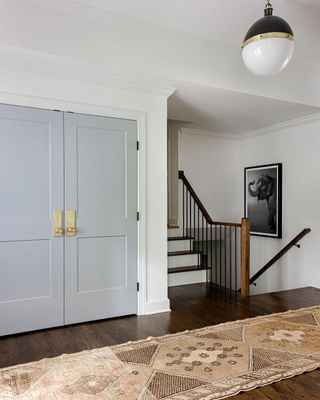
pixel 278 127
pixel 83 10
pixel 257 132
pixel 30 61
pixel 205 132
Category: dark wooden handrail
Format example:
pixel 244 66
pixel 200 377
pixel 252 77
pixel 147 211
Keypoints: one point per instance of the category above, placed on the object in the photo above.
pixel 281 253
pixel 201 206
pixel 195 197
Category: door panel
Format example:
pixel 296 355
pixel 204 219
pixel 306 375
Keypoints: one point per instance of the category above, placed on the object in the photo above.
pixel 93 255
pixel 31 260
pixel 101 171
pixel 101 185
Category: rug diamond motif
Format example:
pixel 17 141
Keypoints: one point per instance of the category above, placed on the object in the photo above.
pixel 163 385
pixel 234 335
pixel 264 358
pixel 137 355
pixel 306 319
pixel 21 382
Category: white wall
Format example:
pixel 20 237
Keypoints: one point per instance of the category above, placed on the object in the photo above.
pixel 173 211
pixel 210 164
pixel 52 87
pixel 297 147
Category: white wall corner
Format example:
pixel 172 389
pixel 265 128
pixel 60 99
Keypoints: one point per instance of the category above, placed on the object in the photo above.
pixel 312 282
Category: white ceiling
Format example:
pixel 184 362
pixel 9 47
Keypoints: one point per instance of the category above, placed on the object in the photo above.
pixel 224 20
pixel 191 45
pixel 225 111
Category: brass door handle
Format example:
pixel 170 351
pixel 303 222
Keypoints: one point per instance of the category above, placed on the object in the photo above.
pixel 71 223
pixel 57 223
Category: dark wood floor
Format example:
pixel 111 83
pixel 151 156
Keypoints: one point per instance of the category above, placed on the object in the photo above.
pixel 193 306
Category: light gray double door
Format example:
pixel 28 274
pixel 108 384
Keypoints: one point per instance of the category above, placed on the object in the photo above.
pixel 68 230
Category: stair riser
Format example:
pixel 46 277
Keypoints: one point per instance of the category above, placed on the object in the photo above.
pixel 181 261
pixel 179 245
pixel 187 278
pixel 174 232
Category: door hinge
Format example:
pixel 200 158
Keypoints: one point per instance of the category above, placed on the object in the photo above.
pixel 138 145
pixel 138 216
pixel 138 287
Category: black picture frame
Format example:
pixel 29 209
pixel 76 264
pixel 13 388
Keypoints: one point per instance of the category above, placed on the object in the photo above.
pixel 263 199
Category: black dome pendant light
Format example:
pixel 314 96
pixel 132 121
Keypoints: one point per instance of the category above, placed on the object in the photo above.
pixel 269 44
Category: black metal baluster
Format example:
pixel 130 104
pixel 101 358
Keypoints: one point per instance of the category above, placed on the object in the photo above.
pixel 207 245
pixel 211 251
pixel 220 255
pixel 198 242
pixel 230 287
pixel 187 214
pixel 216 253
pixel 236 260
pixel 194 221
pixel 202 242
pixel 183 222
pixel 190 219
pixel 225 258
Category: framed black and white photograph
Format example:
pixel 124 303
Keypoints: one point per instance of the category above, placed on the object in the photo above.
pixel 263 199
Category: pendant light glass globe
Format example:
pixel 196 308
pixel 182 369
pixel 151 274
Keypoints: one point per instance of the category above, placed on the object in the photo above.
pixel 269 45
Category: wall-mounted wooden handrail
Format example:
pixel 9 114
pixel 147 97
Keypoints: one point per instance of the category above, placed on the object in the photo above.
pixel 281 253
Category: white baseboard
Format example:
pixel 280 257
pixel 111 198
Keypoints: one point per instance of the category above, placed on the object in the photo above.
pixel 155 307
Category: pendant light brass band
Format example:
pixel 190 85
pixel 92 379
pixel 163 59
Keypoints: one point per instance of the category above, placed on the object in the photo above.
pixel 268 35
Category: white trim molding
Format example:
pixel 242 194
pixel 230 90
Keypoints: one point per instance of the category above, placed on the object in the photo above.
pixel 207 132
pixel 257 132
pixel 34 62
pixel 280 126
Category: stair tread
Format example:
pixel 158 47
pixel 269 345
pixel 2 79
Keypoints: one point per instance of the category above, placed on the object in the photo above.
pixel 180 238
pixel 182 252
pixel 170 226
pixel 188 268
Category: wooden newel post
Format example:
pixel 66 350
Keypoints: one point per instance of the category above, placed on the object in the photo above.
pixel 245 257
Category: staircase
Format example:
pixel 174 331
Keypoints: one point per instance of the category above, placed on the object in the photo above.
pixel 186 265
pixel 202 250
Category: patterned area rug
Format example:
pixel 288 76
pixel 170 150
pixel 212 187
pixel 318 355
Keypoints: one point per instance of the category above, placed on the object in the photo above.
pixel 204 364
